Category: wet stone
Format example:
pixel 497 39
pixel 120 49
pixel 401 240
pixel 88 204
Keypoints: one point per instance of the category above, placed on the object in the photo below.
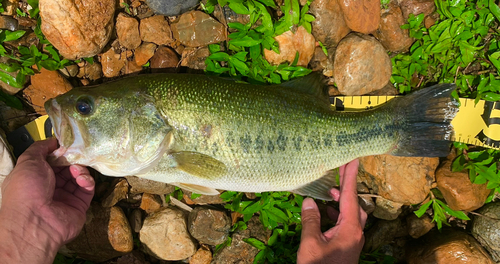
pixel 135 220
pixel 78 29
pixel 197 29
pixel 361 16
pixel 127 29
pixel 419 226
pixel 72 70
pixel 164 58
pixel 91 71
pixel 390 33
pixel 150 203
pixel 118 191
pixel 486 229
pixel 386 209
pixel 329 26
pixel 383 232
pixel 209 226
pixel 194 58
pixel 112 63
pixel 9 23
pixel 202 256
pixel 171 7
pixel 44 86
pixel 156 29
pixel 144 52
pixel 131 67
pixel 140 185
pixel 289 44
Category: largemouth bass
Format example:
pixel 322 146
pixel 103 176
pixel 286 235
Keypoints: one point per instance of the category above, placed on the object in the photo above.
pixel 204 133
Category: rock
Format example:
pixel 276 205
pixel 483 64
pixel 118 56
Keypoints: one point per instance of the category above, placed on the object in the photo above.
pixel 127 29
pixel 164 57
pixel 319 61
pixel 9 23
pixel 144 52
pixel 209 226
pixel 367 204
pixel 117 192
pixel 141 185
pixel 430 20
pixel 91 71
pixel 135 220
pixel 105 235
pixel 112 63
pixel 239 251
pixel 329 26
pixel 197 29
pixel 457 189
pixel 405 180
pixel 12 119
pixel 194 58
pixel 361 65
pixel 6 159
pixel 165 236
pixel 227 15
pixel 202 256
pixel 156 29
pixel 390 33
pixel 486 229
pixel 171 7
pixel 361 16
pixel 417 7
pixel 77 29
pixel 418 227
pixel 388 89
pixel 289 44
pixel 72 70
pixel 44 86
pixel 10 7
pixel 383 232
pixel 131 68
pixel 386 209
pixel 447 247
pixel 150 203
pixel 204 199
pixel 134 257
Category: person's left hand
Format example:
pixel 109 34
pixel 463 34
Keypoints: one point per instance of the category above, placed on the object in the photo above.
pixel 54 201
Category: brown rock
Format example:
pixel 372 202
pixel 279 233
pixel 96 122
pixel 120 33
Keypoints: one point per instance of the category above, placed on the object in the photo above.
pixel 390 33
pixel 447 247
pixel 144 52
pixel 164 57
pixel 386 209
pixel 150 203
pixel 361 16
pixel 404 180
pixel 457 189
pixel 202 256
pixel 77 28
pixel 383 232
pixel 131 67
pixel 204 199
pixel 106 235
pixel 112 63
pixel 117 192
pixel 418 227
pixel 209 226
pixel 44 86
pixel 135 220
pixel 367 204
pixel 9 23
pixel 388 89
pixel 227 15
pixel 10 7
pixel 91 71
pixel 72 70
pixel 127 29
pixel 141 185
pixel 361 65
pixel 197 29
pixel 289 44
pixel 417 7
pixel 485 228
pixel 194 58
pixel 165 236
pixel 329 26
pixel 156 29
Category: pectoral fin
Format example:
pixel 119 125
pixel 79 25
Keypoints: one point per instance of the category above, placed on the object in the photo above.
pixel 199 165
pixel 320 188
pixel 197 188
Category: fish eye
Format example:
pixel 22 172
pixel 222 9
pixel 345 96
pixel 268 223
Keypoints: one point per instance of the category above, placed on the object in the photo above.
pixel 84 105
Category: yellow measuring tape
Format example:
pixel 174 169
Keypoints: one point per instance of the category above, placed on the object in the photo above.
pixel 475 124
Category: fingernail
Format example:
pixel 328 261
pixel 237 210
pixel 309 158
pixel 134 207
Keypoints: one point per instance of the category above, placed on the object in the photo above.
pixel 308 204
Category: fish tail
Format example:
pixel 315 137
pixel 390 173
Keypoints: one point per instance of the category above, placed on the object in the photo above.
pixel 426 117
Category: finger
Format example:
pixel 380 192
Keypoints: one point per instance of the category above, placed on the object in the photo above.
pixel 335 193
pixel 39 150
pixel 362 217
pixel 311 224
pixel 341 172
pixel 86 184
pixel 348 203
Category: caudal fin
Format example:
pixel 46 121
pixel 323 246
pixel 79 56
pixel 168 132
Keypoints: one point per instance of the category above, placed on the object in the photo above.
pixel 427 116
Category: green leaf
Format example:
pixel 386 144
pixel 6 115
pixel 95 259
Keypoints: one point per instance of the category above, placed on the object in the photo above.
pixel 448 210
pixel 269 3
pixel 239 8
pixel 219 56
pixel 423 208
pixel 255 243
pixel 245 42
pixel 495 10
pixel 10 100
pixel 10 80
pixel 240 66
pixel 13 35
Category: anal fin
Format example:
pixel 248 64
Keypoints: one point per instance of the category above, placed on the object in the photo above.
pixel 197 188
pixel 320 188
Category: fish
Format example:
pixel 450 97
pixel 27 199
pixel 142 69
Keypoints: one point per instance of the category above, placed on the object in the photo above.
pixel 206 133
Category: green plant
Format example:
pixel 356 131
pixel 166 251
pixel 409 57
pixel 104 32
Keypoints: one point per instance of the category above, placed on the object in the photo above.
pixel 440 210
pixel 243 56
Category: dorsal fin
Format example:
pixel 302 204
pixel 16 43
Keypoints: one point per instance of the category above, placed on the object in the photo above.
pixel 312 84
pixel 320 188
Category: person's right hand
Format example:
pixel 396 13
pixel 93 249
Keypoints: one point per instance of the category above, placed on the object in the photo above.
pixel 343 242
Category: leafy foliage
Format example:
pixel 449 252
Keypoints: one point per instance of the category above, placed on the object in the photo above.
pixel 242 56
pixel 440 210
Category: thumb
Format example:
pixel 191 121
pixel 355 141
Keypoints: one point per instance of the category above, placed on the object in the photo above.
pixel 311 224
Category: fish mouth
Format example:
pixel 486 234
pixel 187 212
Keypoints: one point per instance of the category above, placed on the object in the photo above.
pixel 54 111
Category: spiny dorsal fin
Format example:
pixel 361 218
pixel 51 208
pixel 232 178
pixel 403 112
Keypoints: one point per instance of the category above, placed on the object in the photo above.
pixel 197 188
pixel 320 188
pixel 312 84
pixel 199 165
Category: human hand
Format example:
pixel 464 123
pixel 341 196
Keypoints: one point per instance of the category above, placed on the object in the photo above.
pixel 44 203
pixel 343 242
